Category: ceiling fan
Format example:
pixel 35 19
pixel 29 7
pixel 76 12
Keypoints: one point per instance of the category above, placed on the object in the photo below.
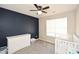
pixel 40 9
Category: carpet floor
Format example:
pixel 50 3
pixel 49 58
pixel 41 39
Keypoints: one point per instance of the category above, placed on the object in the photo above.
pixel 38 47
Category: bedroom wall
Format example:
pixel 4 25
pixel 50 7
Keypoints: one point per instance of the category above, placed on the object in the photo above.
pixel 13 23
pixel 42 25
pixel 77 21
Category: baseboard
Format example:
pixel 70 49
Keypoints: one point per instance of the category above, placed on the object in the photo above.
pixel 47 41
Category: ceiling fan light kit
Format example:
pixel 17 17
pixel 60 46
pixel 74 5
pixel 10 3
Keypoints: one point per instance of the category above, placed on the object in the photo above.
pixel 39 12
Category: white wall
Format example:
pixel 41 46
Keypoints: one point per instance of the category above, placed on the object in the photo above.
pixel 77 21
pixel 42 25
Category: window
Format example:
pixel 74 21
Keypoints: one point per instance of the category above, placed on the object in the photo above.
pixel 57 27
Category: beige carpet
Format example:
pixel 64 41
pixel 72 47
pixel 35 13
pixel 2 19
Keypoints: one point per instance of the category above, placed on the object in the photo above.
pixel 37 47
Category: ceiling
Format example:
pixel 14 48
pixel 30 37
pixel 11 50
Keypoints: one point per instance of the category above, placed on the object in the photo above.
pixel 54 8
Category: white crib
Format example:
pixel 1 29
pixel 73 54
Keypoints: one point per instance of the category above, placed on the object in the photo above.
pixel 67 47
pixel 18 42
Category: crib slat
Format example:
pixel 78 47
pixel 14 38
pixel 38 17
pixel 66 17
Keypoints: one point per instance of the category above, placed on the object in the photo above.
pixel 63 46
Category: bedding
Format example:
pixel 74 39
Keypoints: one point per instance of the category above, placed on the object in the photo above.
pixel 3 50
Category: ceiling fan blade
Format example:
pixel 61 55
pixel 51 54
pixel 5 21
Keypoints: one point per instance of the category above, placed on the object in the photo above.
pixel 36 5
pixel 46 7
pixel 33 10
pixel 44 11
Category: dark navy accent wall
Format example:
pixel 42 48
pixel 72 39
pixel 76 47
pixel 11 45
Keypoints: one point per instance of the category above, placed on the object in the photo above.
pixel 14 23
